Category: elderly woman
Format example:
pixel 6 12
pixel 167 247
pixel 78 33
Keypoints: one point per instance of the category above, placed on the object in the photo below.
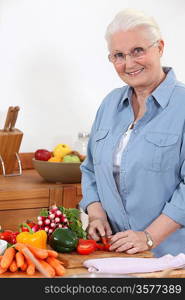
pixel 133 179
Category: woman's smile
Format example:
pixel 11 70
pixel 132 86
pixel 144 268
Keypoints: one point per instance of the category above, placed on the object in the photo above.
pixel 135 73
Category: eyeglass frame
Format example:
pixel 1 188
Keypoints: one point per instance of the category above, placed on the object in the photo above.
pixel 123 58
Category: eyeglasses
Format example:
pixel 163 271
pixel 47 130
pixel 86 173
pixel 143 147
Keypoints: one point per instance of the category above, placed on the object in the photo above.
pixel 138 52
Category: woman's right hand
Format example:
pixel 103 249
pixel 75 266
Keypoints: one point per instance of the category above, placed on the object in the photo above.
pixel 97 228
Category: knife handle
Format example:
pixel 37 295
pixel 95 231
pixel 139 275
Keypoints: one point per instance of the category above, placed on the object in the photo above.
pixel 14 117
pixel 8 118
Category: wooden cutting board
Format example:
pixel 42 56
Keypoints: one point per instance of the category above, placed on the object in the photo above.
pixel 75 260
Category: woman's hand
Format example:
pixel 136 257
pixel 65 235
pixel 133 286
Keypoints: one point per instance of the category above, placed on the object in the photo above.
pixel 97 228
pixel 128 241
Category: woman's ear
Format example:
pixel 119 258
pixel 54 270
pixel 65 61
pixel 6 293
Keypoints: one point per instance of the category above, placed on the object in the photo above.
pixel 161 47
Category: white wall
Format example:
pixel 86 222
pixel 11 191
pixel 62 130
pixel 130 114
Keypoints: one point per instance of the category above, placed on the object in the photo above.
pixel 53 62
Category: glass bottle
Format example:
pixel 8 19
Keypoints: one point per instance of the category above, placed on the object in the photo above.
pixel 83 138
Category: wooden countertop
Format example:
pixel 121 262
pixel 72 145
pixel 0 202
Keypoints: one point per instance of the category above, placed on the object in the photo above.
pixel 29 179
pixel 75 268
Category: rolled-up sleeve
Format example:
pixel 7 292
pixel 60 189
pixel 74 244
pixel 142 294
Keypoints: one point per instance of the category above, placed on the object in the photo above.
pixel 175 208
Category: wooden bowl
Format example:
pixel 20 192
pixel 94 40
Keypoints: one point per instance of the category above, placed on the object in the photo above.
pixel 58 172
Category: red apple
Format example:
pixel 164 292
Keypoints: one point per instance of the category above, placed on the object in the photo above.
pixel 42 154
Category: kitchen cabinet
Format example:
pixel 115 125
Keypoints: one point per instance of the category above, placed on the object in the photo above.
pixel 22 197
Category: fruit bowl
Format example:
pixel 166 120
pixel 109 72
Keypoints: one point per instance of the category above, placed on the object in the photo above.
pixel 58 172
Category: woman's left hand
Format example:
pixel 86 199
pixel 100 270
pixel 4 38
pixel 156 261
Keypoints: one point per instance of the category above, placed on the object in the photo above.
pixel 128 241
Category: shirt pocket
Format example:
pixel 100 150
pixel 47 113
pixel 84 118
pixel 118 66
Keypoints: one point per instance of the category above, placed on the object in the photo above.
pixel 100 139
pixel 161 152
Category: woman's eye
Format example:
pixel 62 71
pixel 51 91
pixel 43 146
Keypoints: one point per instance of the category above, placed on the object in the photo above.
pixel 138 50
pixel 118 55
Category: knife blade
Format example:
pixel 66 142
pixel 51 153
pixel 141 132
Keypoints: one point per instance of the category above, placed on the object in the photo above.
pixel 35 261
pixel 8 118
pixel 14 117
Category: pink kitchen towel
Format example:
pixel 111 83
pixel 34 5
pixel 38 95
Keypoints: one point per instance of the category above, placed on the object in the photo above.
pixel 125 265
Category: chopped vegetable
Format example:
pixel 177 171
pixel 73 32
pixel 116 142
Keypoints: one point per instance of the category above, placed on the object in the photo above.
pixel 85 249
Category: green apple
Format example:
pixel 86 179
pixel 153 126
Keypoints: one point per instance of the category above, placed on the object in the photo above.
pixel 71 158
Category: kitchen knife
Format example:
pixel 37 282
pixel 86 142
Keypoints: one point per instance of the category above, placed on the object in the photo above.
pixel 35 261
pixel 8 118
pixel 14 117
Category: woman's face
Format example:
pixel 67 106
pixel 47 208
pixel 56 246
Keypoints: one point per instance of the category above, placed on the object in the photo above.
pixel 137 72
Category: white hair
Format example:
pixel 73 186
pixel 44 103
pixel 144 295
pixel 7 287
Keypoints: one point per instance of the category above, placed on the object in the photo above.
pixel 130 19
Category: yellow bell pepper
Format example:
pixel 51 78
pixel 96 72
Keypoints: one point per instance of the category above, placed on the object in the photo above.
pixel 37 239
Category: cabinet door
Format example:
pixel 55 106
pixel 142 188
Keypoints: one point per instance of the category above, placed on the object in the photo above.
pixel 56 196
pixel 70 197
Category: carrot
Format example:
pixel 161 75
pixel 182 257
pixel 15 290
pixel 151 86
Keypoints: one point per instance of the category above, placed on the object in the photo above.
pixel 19 246
pixel 19 259
pixel 7 257
pixel 38 252
pixel 1 257
pixel 30 269
pixel 24 267
pixel 59 269
pixel 13 267
pixel 52 253
pixel 49 269
pixel 2 270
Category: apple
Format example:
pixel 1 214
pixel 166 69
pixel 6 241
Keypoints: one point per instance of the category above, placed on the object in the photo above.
pixel 42 154
pixel 71 158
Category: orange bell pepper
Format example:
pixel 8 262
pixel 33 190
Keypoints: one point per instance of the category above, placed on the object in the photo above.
pixel 37 239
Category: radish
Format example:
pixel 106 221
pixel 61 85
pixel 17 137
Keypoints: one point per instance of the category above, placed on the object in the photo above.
pixel 51 216
pixel 46 228
pixel 35 228
pixel 52 225
pixel 58 213
pixel 57 219
pixel 47 222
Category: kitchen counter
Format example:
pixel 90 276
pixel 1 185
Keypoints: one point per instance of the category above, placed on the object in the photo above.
pixel 74 266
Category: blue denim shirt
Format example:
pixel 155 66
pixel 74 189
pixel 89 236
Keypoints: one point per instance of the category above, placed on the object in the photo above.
pixel 152 171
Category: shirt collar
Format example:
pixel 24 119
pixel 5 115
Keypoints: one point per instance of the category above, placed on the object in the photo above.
pixel 162 93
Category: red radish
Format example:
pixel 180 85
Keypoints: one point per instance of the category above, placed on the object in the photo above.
pixel 47 222
pixel 40 223
pixel 57 220
pixel 35 228
pixel 51 216
pixel 46 228
pixel 58 213
pixel 52 225
pixel 50 230
pixel 41 218
pixel 54 209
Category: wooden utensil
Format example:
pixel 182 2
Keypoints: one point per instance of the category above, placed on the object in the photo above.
pixel 14 117
pixel 10 141
pixel 8 118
